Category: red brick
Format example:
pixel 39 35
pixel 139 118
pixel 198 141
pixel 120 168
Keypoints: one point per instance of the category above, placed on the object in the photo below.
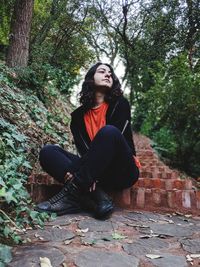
pixel 188 184
pixel 168 184
pixel 178 198
pixel 141 182
pixel 178 184
pixel 193 199
pixel 156 196
pixel 140 200
pixel 126 197
pixel 198 199
pixel 168 175
pixel 157 174
pixel 171 199
pixel 158 183
pixel 175 175
pixel 163 196
pixel 123 198
pixel 133 197
pixel 148 183
pixel 186 200
pixel 148 197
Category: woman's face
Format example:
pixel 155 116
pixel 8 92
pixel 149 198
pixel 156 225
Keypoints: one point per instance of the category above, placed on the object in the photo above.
pixel 102 77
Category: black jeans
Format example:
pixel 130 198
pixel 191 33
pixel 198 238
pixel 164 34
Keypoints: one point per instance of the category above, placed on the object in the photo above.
pixel 109 161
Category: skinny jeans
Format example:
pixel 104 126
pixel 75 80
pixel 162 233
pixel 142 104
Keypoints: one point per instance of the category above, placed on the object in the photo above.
pixel 109 161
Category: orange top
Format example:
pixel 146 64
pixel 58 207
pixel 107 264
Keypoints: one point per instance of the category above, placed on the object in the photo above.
pixel 95 119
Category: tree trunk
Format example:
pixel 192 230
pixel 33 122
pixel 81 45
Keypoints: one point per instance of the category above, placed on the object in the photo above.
pixel 18 50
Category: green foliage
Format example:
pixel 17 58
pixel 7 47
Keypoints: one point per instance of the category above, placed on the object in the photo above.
pixel 25 125
pixel 45 79
pixel 173 105
pixel 14 197
pixel 5 255
pixel 38 103
pixel 5 15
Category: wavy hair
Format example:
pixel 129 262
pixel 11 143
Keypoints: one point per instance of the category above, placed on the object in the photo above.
pixel 87 94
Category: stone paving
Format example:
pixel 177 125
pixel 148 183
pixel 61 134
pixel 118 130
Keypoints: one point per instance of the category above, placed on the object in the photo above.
pixel 126 239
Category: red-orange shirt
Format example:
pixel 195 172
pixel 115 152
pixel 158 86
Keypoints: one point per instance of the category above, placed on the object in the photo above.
pixel 95 119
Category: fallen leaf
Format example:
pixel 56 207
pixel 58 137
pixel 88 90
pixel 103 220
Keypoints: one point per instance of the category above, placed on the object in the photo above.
pixel 188 215
pixel 57 226
pixel 67 242
pixel 152 220
pixel 29 228
pixel 195 256
pixel 82 230
pixel 45 262
pixel 153 256
pixel 169 215
pixel 178 213
pixel 38 236
pixel 118 236
pixel 188 258
pixel 169 221
pixel 86 243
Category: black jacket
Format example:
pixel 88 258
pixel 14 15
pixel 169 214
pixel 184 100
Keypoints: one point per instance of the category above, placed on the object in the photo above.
pixel 118 114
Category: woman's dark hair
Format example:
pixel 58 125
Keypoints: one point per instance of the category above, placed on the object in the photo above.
pixel 87 94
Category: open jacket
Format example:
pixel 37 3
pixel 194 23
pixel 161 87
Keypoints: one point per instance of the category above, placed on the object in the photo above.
pixel 118 114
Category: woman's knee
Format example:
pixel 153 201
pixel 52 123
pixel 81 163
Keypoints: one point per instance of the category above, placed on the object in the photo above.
pixel 45 151
pixel 109 130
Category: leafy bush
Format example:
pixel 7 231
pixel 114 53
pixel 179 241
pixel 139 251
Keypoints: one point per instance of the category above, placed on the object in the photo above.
pixel 173 112
pixel 16 209
pixel 5 255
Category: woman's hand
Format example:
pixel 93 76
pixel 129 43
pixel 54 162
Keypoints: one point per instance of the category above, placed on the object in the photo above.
pixel 93 187
pixel 68 176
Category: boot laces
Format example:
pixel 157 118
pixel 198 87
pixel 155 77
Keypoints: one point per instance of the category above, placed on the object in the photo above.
pixel 58 196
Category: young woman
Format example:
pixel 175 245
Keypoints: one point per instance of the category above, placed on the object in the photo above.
pixel 106 158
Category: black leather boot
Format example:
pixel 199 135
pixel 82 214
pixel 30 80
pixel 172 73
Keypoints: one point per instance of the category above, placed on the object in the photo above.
pixel 98 203
pixel 65 202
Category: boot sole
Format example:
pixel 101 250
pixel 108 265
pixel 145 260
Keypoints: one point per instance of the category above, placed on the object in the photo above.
pixel 106 213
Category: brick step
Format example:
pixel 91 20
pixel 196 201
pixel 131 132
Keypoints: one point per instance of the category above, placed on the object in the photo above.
pixel 163 193
pixel 161 175
pixel 167 184
pixel 154 168
pixel 151 164
pixel 154 198
pixel 42 178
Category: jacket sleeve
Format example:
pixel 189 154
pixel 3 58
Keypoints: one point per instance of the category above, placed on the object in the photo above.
pixel 122 120
pixel 77 140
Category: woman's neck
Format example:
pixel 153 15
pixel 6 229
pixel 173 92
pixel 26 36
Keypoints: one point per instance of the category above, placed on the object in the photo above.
pixel 98 104
pixel 99 99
